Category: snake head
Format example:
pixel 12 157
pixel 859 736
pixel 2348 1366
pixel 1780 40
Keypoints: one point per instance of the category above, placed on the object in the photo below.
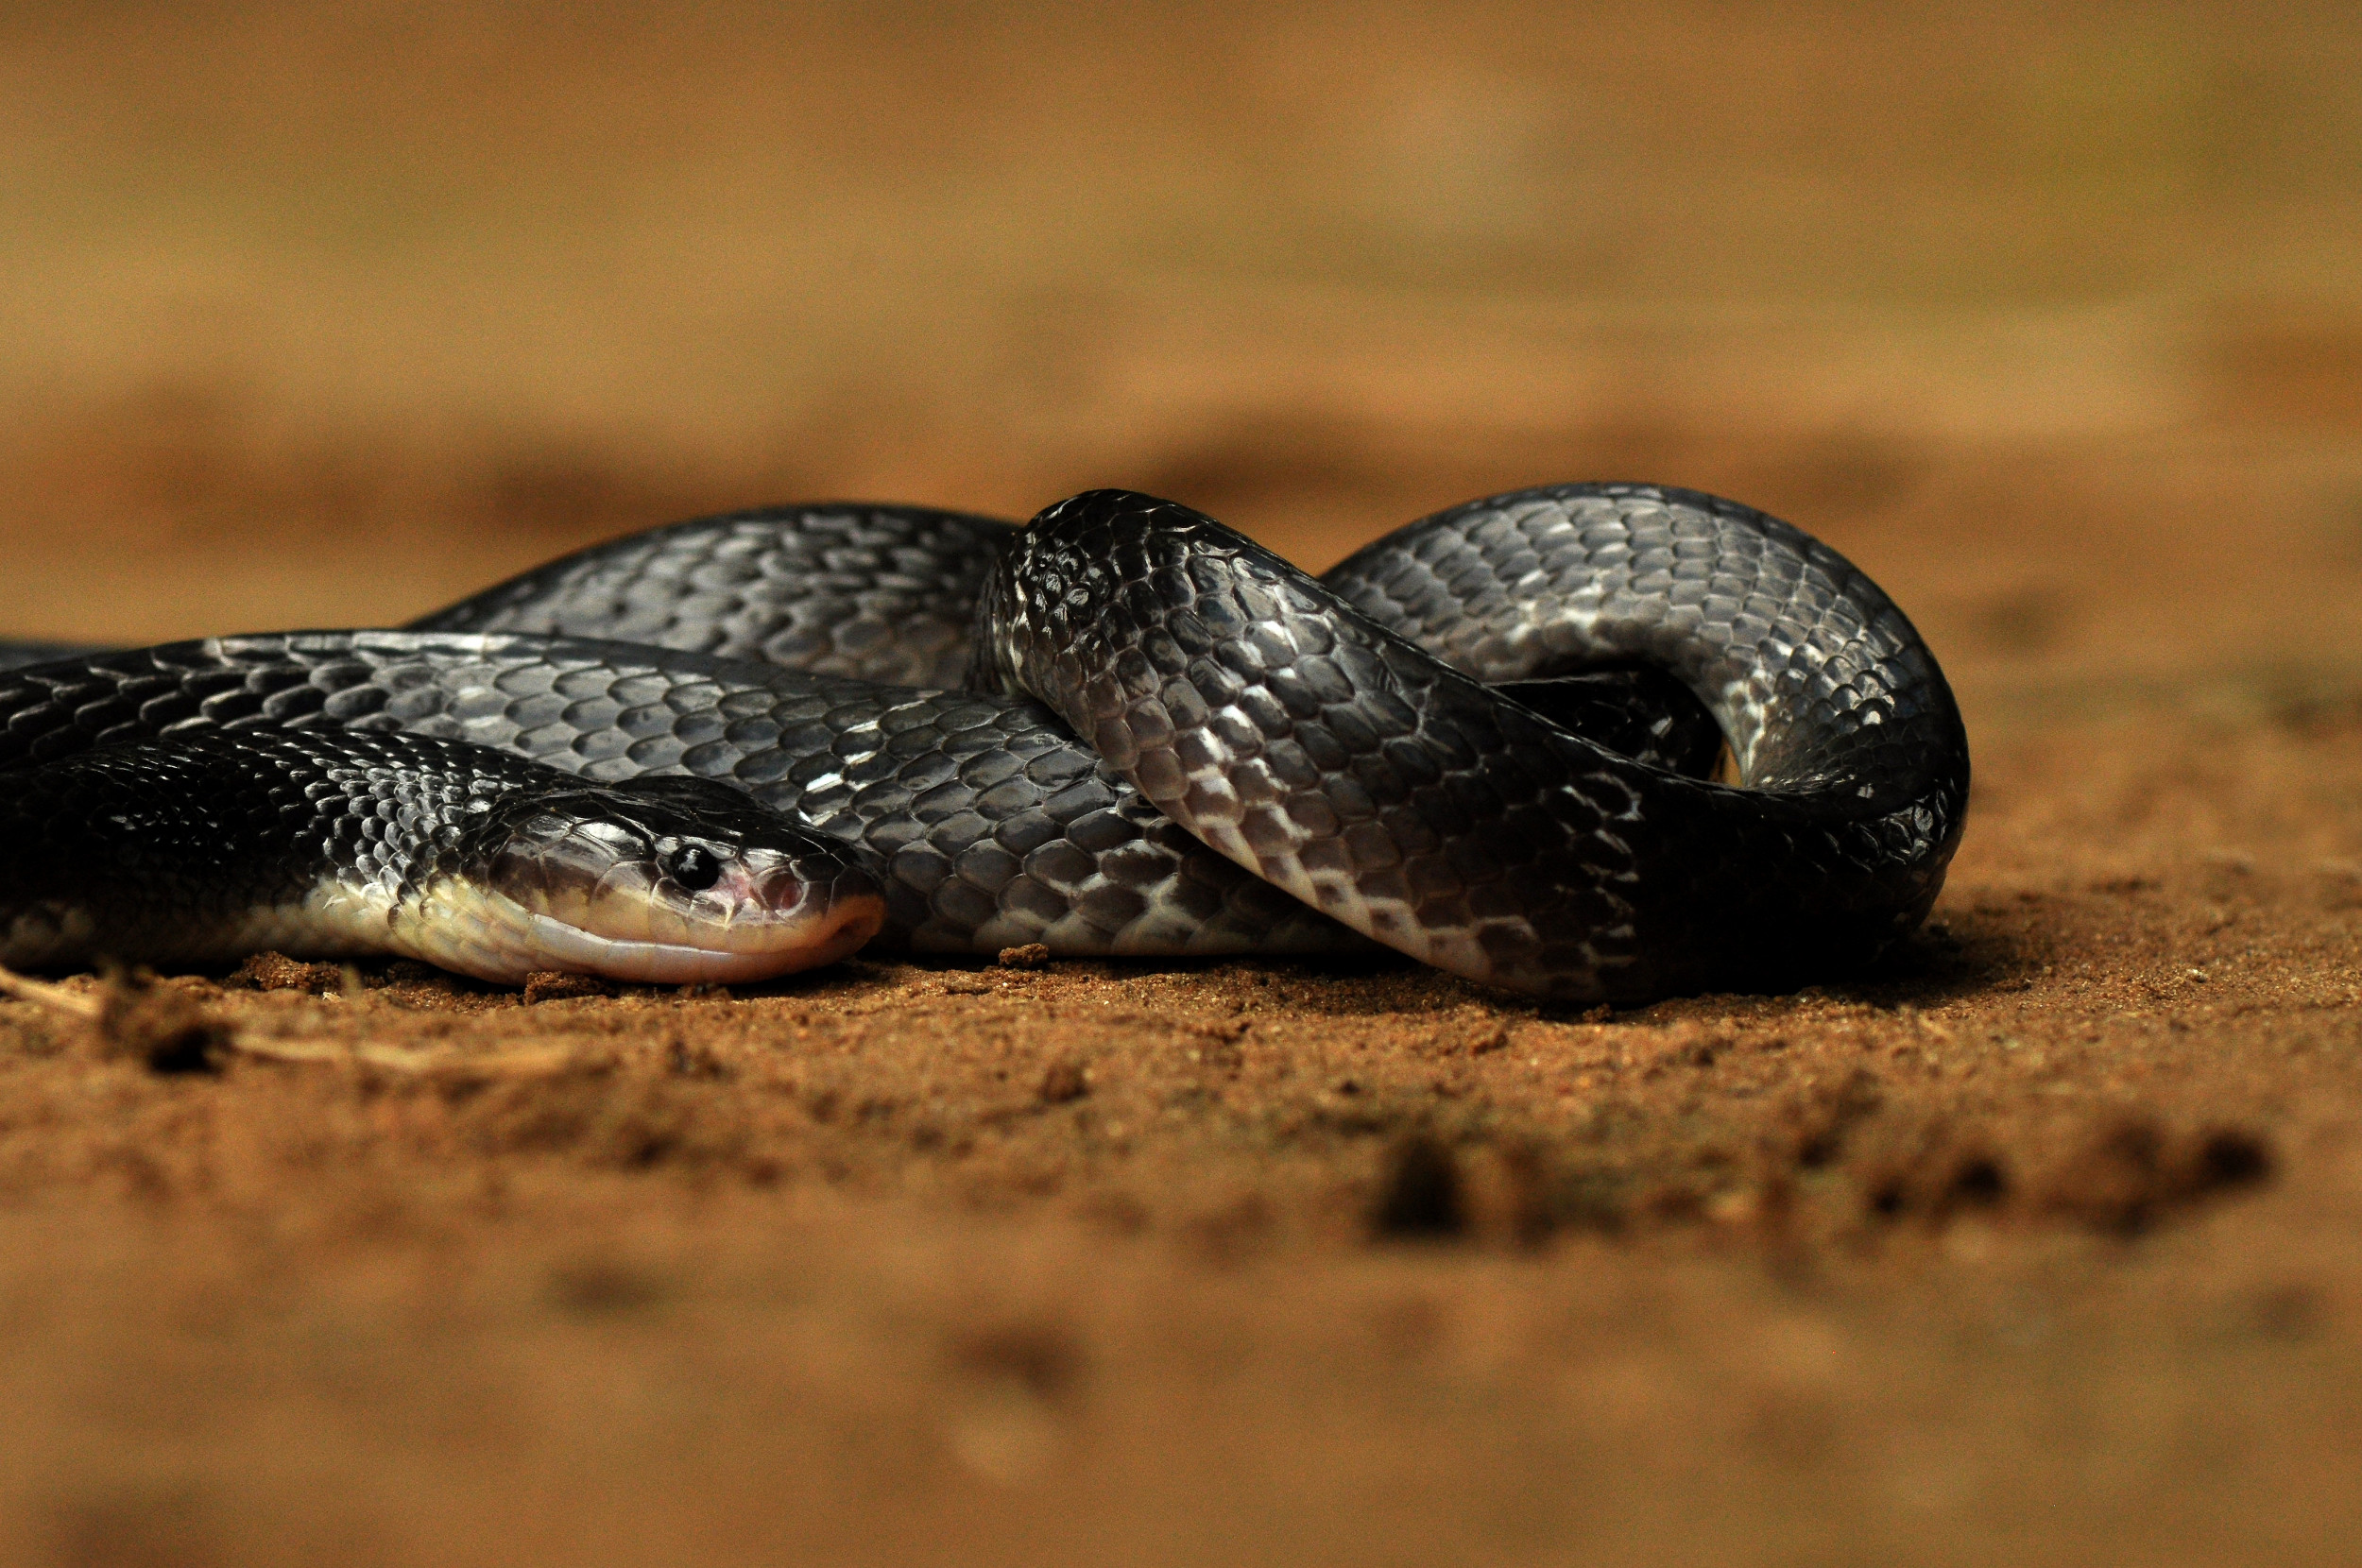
pixel 663 881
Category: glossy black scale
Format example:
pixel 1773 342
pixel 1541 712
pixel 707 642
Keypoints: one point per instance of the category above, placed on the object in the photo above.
pixel 1332 732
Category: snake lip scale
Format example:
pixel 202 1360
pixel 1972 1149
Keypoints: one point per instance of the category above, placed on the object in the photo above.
pixel 1481 741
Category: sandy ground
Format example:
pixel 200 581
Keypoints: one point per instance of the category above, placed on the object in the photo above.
pixel 2042 1244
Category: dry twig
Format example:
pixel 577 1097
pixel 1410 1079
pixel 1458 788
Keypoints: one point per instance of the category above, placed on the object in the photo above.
pixel 530 1061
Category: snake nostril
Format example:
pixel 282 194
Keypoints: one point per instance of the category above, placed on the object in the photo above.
pixel 778 891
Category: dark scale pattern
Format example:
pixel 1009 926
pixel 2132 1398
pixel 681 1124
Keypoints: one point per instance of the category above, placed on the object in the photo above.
pixel 991 825
pixel 882 593
pixel 1817 679
pixel 167 846
pixel 1451 821
pixel 1344 763
pixel 1644 714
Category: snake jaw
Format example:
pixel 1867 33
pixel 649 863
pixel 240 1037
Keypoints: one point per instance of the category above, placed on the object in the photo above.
pixel 488 934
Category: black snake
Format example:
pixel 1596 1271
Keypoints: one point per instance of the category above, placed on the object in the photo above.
pixel 1482 740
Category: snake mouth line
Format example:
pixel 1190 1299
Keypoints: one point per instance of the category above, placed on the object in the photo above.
pixel 837 934
pixel 488 935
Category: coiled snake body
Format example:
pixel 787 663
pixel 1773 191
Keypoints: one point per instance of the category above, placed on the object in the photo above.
pixel 1127 729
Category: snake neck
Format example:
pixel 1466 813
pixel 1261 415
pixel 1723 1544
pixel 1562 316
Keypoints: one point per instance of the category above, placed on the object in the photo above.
pixel 200 849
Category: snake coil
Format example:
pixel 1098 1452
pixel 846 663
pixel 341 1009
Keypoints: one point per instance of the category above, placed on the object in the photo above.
pixel 1476 741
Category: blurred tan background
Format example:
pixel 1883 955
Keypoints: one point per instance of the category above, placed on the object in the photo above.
pixel 2051 316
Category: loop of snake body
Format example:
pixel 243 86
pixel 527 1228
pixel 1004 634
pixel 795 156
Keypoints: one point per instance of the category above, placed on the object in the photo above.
pixel 1484 741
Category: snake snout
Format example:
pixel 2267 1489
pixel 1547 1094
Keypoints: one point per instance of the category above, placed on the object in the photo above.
pixel 809 904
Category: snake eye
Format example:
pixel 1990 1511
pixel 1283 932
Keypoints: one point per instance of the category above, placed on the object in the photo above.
pixel 693 867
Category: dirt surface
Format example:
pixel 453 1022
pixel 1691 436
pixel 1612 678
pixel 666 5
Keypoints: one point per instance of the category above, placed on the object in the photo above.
pixel 2042 1243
